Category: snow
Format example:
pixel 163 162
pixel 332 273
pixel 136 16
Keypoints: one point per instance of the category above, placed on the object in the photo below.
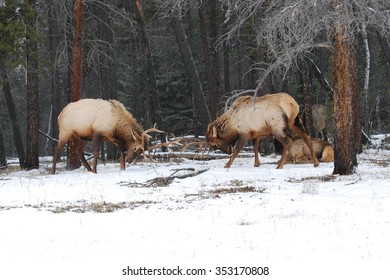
pixel 300 222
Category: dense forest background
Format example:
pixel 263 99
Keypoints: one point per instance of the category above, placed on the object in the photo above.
pixel 175 63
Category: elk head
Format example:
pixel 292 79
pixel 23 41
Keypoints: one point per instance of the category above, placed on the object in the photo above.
pixel 215 142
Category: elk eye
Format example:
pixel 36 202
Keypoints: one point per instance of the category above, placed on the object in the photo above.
pixel 135 149
pixel 219 145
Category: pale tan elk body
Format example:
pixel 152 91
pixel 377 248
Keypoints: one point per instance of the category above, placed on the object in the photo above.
pixel 97 120
pixel 252 119
pixel 319 119
pixel 299 153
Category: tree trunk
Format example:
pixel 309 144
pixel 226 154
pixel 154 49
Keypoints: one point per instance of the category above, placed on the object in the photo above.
pixel 306 92
pixel 138 102
pixel 76 78
pixel 17 138
pixel 155 108
pixel 345 105
pixel 77 52
pixel 56 85
pixel 366 109
pixel 107 68
pixel 3 160
pixel 385 47
pixel 32 154
pixel 215 93
pixel 226 64
pixel 202 114
pixel 206 55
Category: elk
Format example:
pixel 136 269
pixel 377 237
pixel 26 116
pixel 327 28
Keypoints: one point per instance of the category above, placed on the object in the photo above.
pixel 299 153
pixel 319 116
pixel 99 120
pixel 253 118
pixel 319 119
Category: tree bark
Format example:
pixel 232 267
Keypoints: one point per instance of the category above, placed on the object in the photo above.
pixel 201 114
pixel 226 64
pixel 3 160
pixel 139 102
pixel 17 137
pixel 345 105
pixel 206 55
pixel 385 47
pixel 32 154
pixel 154 101
pixel 56 84
pixel 73 162
pixel 366 79
pixel 107 68
pixel 215 89
pixel 77 52
pixel 306 92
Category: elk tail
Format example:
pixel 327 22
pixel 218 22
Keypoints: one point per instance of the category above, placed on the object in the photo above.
pixel 299 124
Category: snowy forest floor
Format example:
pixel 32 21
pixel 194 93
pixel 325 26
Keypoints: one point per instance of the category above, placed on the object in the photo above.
pixel 301 222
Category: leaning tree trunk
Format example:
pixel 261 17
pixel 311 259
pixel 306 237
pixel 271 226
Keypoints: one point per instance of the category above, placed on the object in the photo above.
pixel 32 154
pixel 76 78
pixel 17 138
pixel 201 114
pixel 345 105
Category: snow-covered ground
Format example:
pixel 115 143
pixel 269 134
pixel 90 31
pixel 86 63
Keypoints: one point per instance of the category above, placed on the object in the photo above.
pixel 300 222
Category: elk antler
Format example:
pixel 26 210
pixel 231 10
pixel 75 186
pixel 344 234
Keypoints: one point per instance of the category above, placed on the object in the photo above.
pixel 167 144
pixel 192 142
pixel 152 129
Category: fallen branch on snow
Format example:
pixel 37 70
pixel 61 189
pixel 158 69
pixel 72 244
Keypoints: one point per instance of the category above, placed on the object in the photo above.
pixel 164 181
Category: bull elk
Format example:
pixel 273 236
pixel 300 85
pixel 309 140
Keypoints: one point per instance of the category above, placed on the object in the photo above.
pixel 253 118
pixel 101 120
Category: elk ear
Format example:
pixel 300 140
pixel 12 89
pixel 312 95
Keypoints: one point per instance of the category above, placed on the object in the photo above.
pixel 214 133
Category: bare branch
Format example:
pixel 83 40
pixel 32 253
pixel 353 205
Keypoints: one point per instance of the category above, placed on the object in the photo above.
pixel 290 29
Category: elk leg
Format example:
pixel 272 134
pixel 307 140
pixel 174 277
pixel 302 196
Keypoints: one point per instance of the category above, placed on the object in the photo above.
pixel 240 143
pixel 96 139
pixel 305 138
pixel 57 150
pixel 122 162
pixel 286 142
pixel 255 143
pixel 80 152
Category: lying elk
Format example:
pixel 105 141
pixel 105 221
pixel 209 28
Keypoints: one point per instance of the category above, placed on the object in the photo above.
pixel 97 120
pixel 251 119
pixel 299 153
